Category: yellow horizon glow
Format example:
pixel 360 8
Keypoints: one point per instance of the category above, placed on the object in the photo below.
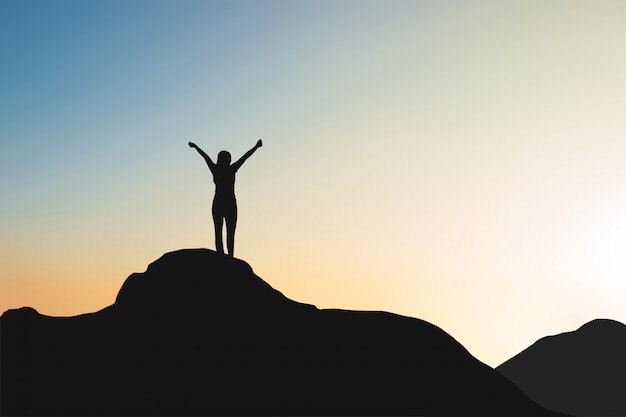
pixel 457 162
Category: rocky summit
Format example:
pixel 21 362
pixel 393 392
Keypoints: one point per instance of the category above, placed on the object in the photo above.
pixel 198 333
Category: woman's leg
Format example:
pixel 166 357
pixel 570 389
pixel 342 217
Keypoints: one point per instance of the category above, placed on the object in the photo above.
pixel 231 224
pixel 218 221
pixel 219 245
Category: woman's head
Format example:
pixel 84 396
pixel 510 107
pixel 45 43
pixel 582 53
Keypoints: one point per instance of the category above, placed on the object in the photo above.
pixel 223 158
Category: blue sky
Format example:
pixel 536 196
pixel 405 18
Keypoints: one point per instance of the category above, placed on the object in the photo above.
pixel 460 162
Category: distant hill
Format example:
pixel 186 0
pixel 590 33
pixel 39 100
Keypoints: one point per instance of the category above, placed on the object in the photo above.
pixel 581 373
pixel 200 334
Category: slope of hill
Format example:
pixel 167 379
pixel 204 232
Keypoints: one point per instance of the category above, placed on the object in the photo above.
pixel 200 334
pixel 579 373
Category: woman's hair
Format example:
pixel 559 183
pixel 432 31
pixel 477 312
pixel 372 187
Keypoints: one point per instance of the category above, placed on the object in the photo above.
pixel 223 158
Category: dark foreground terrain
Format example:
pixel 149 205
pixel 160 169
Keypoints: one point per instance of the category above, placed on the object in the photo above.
pixel 582 373
pixel 200 334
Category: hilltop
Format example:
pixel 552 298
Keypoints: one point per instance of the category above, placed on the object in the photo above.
pixel 199 333
pixel 579 373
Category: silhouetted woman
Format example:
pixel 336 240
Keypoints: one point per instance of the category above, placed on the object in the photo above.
pixel 224 202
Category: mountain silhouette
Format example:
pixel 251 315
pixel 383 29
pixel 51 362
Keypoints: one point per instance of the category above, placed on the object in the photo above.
pixel 198 333
pixel 579 373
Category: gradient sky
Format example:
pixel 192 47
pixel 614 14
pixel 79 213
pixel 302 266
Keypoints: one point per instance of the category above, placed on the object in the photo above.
pixel 463 162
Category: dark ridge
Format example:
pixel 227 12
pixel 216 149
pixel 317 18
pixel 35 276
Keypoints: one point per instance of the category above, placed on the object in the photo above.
pixel 578 373
pixel 603 327
pixel 200 334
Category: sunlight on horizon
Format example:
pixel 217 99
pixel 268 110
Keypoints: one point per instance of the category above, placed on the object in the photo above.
pixel 457 162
